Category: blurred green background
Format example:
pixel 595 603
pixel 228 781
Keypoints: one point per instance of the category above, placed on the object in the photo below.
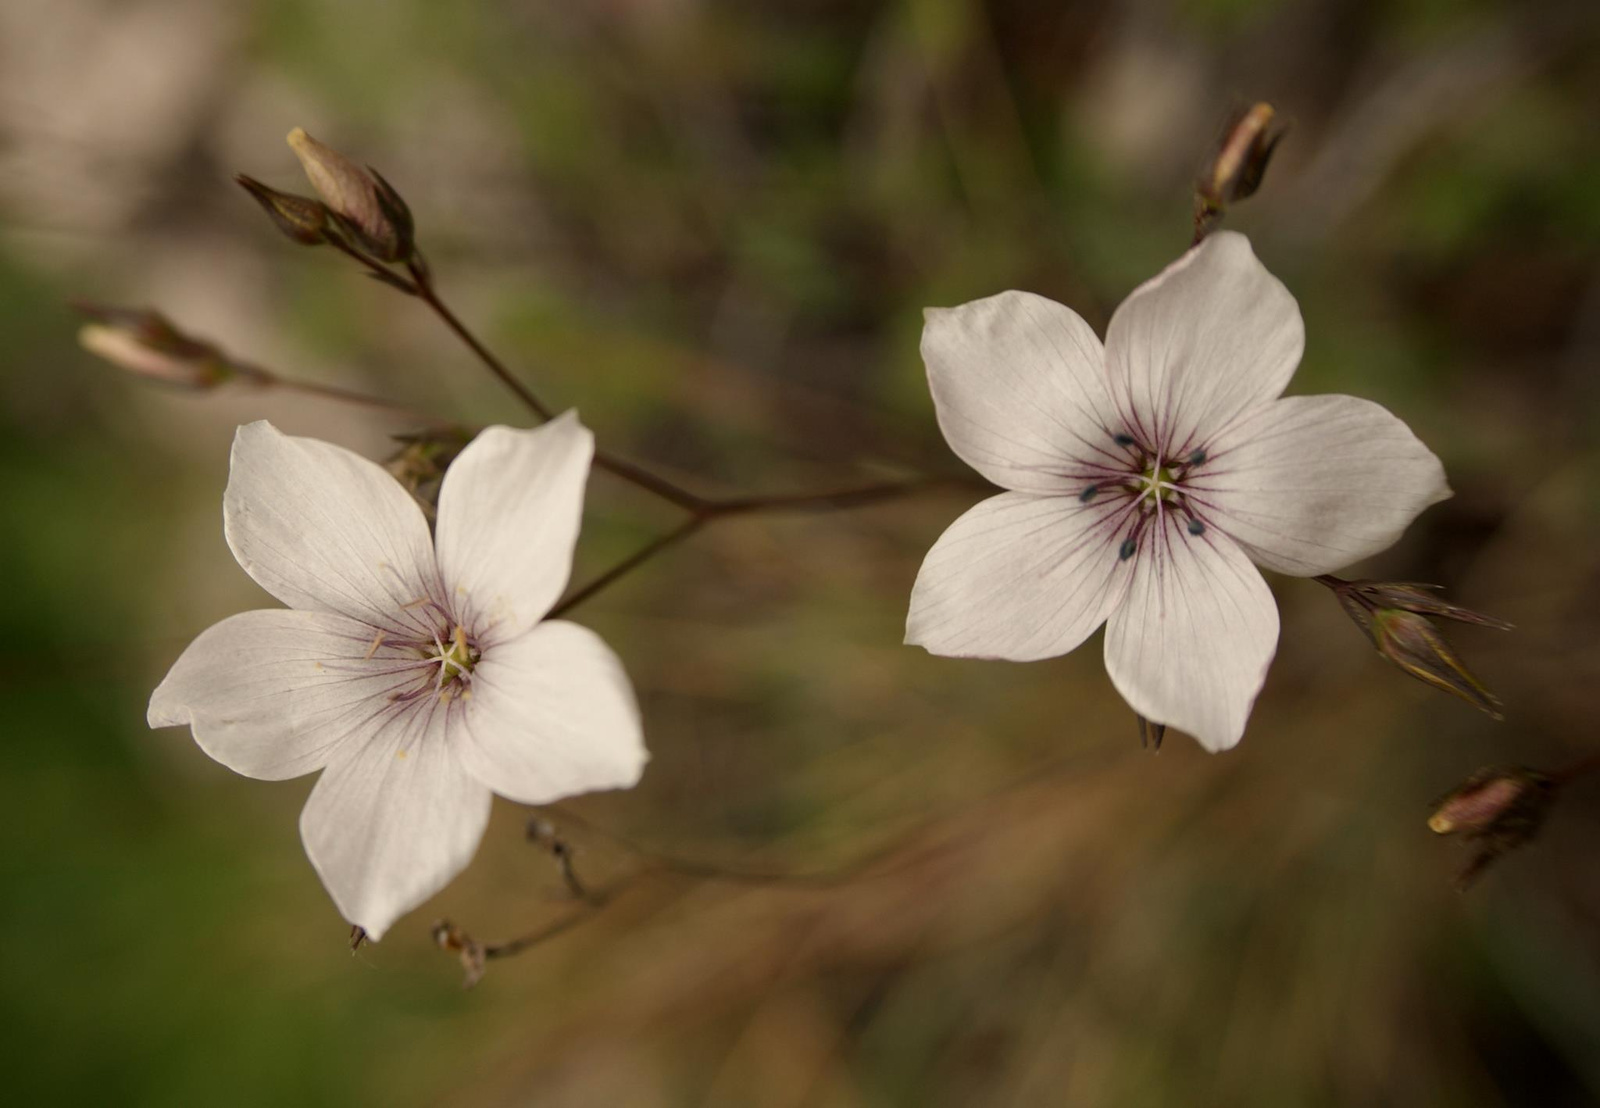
pixel 712 226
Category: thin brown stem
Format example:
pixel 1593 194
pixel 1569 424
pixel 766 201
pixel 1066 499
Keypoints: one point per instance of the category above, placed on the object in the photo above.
pixel 588 908
pixel 1581 768
pixel 359 399
pixel 629 564
pixel 825 501
pixel 663 862
pixel 422 280
pixel 375 269
pixel 659 486
pixel 702 510
pixel 705 511
pixel 422 286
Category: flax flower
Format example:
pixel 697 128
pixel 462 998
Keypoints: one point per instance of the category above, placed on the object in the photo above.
pixel 415 671
pixel 1144 478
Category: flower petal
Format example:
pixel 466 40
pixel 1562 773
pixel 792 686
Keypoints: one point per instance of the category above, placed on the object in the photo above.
pixel 1020 577
pixel 271 694
pixel 1310 484
pixel 394 819
pixel 1210 337
pixel 551 715
pixel 324 529
pixel 509 513
pixel 1191 644
pixel 1019 387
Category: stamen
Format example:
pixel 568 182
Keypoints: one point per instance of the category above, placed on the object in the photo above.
pixel 418 602
pixel 1122 439
pixel 377 641
pixel 1198 456
pixel 1088 494
pixel 1128 547
pixel 1196 527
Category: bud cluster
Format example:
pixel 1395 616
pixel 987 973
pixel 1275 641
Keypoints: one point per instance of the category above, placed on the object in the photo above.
pixel 354 208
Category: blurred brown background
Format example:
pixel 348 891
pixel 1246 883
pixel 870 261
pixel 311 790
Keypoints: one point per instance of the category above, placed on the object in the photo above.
pixel 712 226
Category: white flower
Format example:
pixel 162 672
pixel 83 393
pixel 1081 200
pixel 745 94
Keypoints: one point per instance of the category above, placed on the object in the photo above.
pixel 414 671
pixel 1146 475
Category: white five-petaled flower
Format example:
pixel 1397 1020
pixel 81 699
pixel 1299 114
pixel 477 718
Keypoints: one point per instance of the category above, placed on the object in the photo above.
pixel 413 670
pixel 1145 477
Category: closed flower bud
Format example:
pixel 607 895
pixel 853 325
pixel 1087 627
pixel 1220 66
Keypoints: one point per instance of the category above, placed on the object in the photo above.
pixel 1498 810
pixel 146 343
pixel 1394 616
pixel 363 204
pixel 1241 163
pixel 1415 645
pixel 299 217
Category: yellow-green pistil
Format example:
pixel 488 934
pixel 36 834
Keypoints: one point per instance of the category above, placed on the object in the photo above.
pixel 456 658
pixel 1158 483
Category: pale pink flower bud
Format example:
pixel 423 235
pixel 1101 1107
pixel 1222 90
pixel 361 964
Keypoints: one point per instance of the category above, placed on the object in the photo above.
pixel 1497 810
pixel 146 343
pixel 362 202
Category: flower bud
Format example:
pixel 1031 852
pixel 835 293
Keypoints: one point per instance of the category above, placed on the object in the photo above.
pixel 365 206
pixel 1393 615
pixel 146 343
pixel 299 217
pixel 1241 163
pixel 1497 809
pixel 1415 645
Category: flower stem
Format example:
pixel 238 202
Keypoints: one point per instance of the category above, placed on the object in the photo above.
pixel 421 285
pixel 704 511
pixel 512 947
pixel 359 399
pixel 628 564
pixel 1581 768
pixel 422 281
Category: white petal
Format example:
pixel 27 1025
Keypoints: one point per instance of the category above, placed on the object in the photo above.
pixel 1190 645
pixel 551 715
pixel 271 694
pixel 1020 577
pixel 1019 385
pixel 1212 336
pixel 509 513
pixel 394 819
pixel 1310 484
pixel 322 528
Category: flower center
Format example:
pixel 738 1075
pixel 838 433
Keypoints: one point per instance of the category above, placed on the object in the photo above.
pixel 456 658
pixel 1158 482
pixel 1153 491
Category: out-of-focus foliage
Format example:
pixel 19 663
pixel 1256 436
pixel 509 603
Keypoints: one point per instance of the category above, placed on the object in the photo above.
pixel 712 226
